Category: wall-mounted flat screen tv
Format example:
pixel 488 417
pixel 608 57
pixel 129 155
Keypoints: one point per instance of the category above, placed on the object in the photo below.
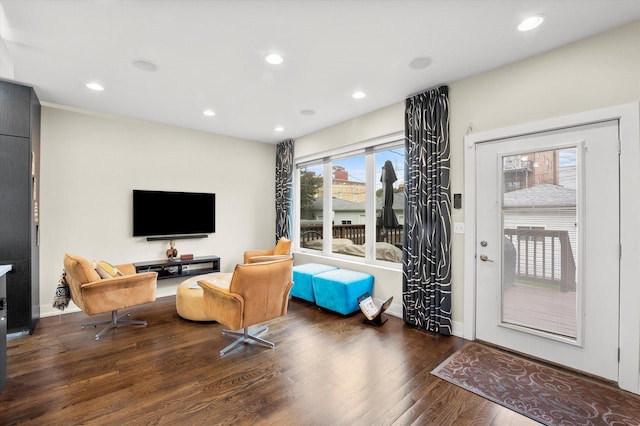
pixel 163 213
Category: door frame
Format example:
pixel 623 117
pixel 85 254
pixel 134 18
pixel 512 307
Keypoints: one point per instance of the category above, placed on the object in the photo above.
pixel 628 116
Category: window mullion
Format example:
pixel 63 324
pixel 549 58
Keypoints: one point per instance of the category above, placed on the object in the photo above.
pixel 296 210
pixel 327 212
pixel 370 208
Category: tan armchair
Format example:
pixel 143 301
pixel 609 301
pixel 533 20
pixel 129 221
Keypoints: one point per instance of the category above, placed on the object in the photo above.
pixel 95 295
pixel 282 250
pixel 257 292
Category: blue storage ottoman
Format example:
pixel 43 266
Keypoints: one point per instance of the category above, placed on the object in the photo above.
pixel 338 290
pixel 302 283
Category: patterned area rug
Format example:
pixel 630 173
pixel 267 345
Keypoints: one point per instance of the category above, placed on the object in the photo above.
pixel 540 392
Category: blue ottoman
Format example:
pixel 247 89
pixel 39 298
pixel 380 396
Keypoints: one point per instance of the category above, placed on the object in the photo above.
pixel 302 283
pixel 338 290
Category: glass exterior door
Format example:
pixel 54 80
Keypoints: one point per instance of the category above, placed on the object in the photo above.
pixel 547 253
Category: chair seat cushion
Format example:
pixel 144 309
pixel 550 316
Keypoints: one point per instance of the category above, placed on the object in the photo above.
pixel 302 283
pixel 189 299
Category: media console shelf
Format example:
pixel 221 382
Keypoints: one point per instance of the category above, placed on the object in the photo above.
pixel 180 268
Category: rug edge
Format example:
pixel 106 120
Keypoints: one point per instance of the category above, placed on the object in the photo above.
pixel 436 372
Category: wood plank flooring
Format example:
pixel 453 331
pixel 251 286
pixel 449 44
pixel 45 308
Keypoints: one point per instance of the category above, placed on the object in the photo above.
pixel 325 370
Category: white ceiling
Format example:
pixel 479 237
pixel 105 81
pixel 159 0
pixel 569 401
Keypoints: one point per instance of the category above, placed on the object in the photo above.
pixel 210 54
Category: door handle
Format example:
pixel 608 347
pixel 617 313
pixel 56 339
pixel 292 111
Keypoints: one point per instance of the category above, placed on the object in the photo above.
pixel 485 258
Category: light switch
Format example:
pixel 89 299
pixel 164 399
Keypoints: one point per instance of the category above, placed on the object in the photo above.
pixel 458 227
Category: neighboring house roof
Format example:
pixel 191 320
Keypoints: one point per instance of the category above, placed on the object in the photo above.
pixel 398 201
pixel 541 196
pixel 340 205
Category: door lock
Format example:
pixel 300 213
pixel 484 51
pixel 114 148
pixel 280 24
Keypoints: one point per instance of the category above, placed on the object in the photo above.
pixel 483 243
pixel 485 258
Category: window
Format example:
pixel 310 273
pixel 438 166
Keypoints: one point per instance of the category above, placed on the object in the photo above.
pixel 310 187
pixel 389 202
pixel 358 210
pixel 348 203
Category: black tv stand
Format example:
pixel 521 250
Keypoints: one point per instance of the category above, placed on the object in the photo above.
pixel 177 268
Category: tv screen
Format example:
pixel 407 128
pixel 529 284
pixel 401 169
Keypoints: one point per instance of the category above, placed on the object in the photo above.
pixel 162 213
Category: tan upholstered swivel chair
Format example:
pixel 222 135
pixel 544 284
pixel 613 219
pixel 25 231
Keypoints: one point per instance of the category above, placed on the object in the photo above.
pixel 95 295
pixel 257 292
pixel 282 250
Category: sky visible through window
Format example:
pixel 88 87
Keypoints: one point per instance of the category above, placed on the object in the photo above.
pixel 396 155
pixel 354 165
pixel 567 157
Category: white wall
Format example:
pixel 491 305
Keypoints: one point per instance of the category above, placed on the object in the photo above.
pixel 90 165
pixel 597 72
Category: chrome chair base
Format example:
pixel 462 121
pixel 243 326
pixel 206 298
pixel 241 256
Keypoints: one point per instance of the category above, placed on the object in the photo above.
pixel 113 323
pixel 246 337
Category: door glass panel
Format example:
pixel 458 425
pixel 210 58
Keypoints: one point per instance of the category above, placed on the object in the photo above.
pixel 540 251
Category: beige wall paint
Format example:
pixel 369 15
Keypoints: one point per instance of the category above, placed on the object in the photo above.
pixel 373 125
pixel 91 163
pixel 593 73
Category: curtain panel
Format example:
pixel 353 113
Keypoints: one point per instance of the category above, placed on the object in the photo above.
pixel 284 189
pixel 426 281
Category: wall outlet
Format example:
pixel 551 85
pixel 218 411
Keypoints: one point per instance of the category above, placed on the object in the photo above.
pixel 458 227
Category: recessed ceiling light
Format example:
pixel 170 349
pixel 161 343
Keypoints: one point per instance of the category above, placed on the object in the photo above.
pixel 420 63
pixel 279 129
pixel 307 112
pixel 274 59
pixel 144 65
pixel 95 86
pixel 358 95
pixel 530 23
pixel 208 113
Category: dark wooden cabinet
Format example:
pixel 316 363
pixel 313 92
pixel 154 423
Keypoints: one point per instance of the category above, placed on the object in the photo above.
pixel 19 197
pixel 15 109
pixel 3 324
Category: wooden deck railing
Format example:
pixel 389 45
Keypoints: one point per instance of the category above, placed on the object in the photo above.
pixel 355 233
pixel 543 256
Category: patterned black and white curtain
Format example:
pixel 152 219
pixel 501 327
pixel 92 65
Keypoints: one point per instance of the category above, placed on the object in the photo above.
pixel 284 189
pixel 426 282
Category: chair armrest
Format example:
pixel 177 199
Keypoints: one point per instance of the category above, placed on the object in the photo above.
pixel 268 258
pixel 222 305
pixel 121 281
pixel 252 253
pixel 118 292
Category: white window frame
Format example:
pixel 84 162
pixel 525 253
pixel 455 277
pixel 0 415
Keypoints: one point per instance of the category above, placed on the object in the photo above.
pixel 367 148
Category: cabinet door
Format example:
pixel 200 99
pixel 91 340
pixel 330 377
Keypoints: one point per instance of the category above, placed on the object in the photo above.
pixel 15 218
pixel 19 310
pixel 15 106
pixel 3 332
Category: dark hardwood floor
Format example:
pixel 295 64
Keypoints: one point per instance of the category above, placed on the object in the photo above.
pixel 325 370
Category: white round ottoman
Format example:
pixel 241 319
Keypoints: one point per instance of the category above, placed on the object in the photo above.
pixel 189 302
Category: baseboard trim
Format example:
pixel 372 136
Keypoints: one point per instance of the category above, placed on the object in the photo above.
pixel 395 310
